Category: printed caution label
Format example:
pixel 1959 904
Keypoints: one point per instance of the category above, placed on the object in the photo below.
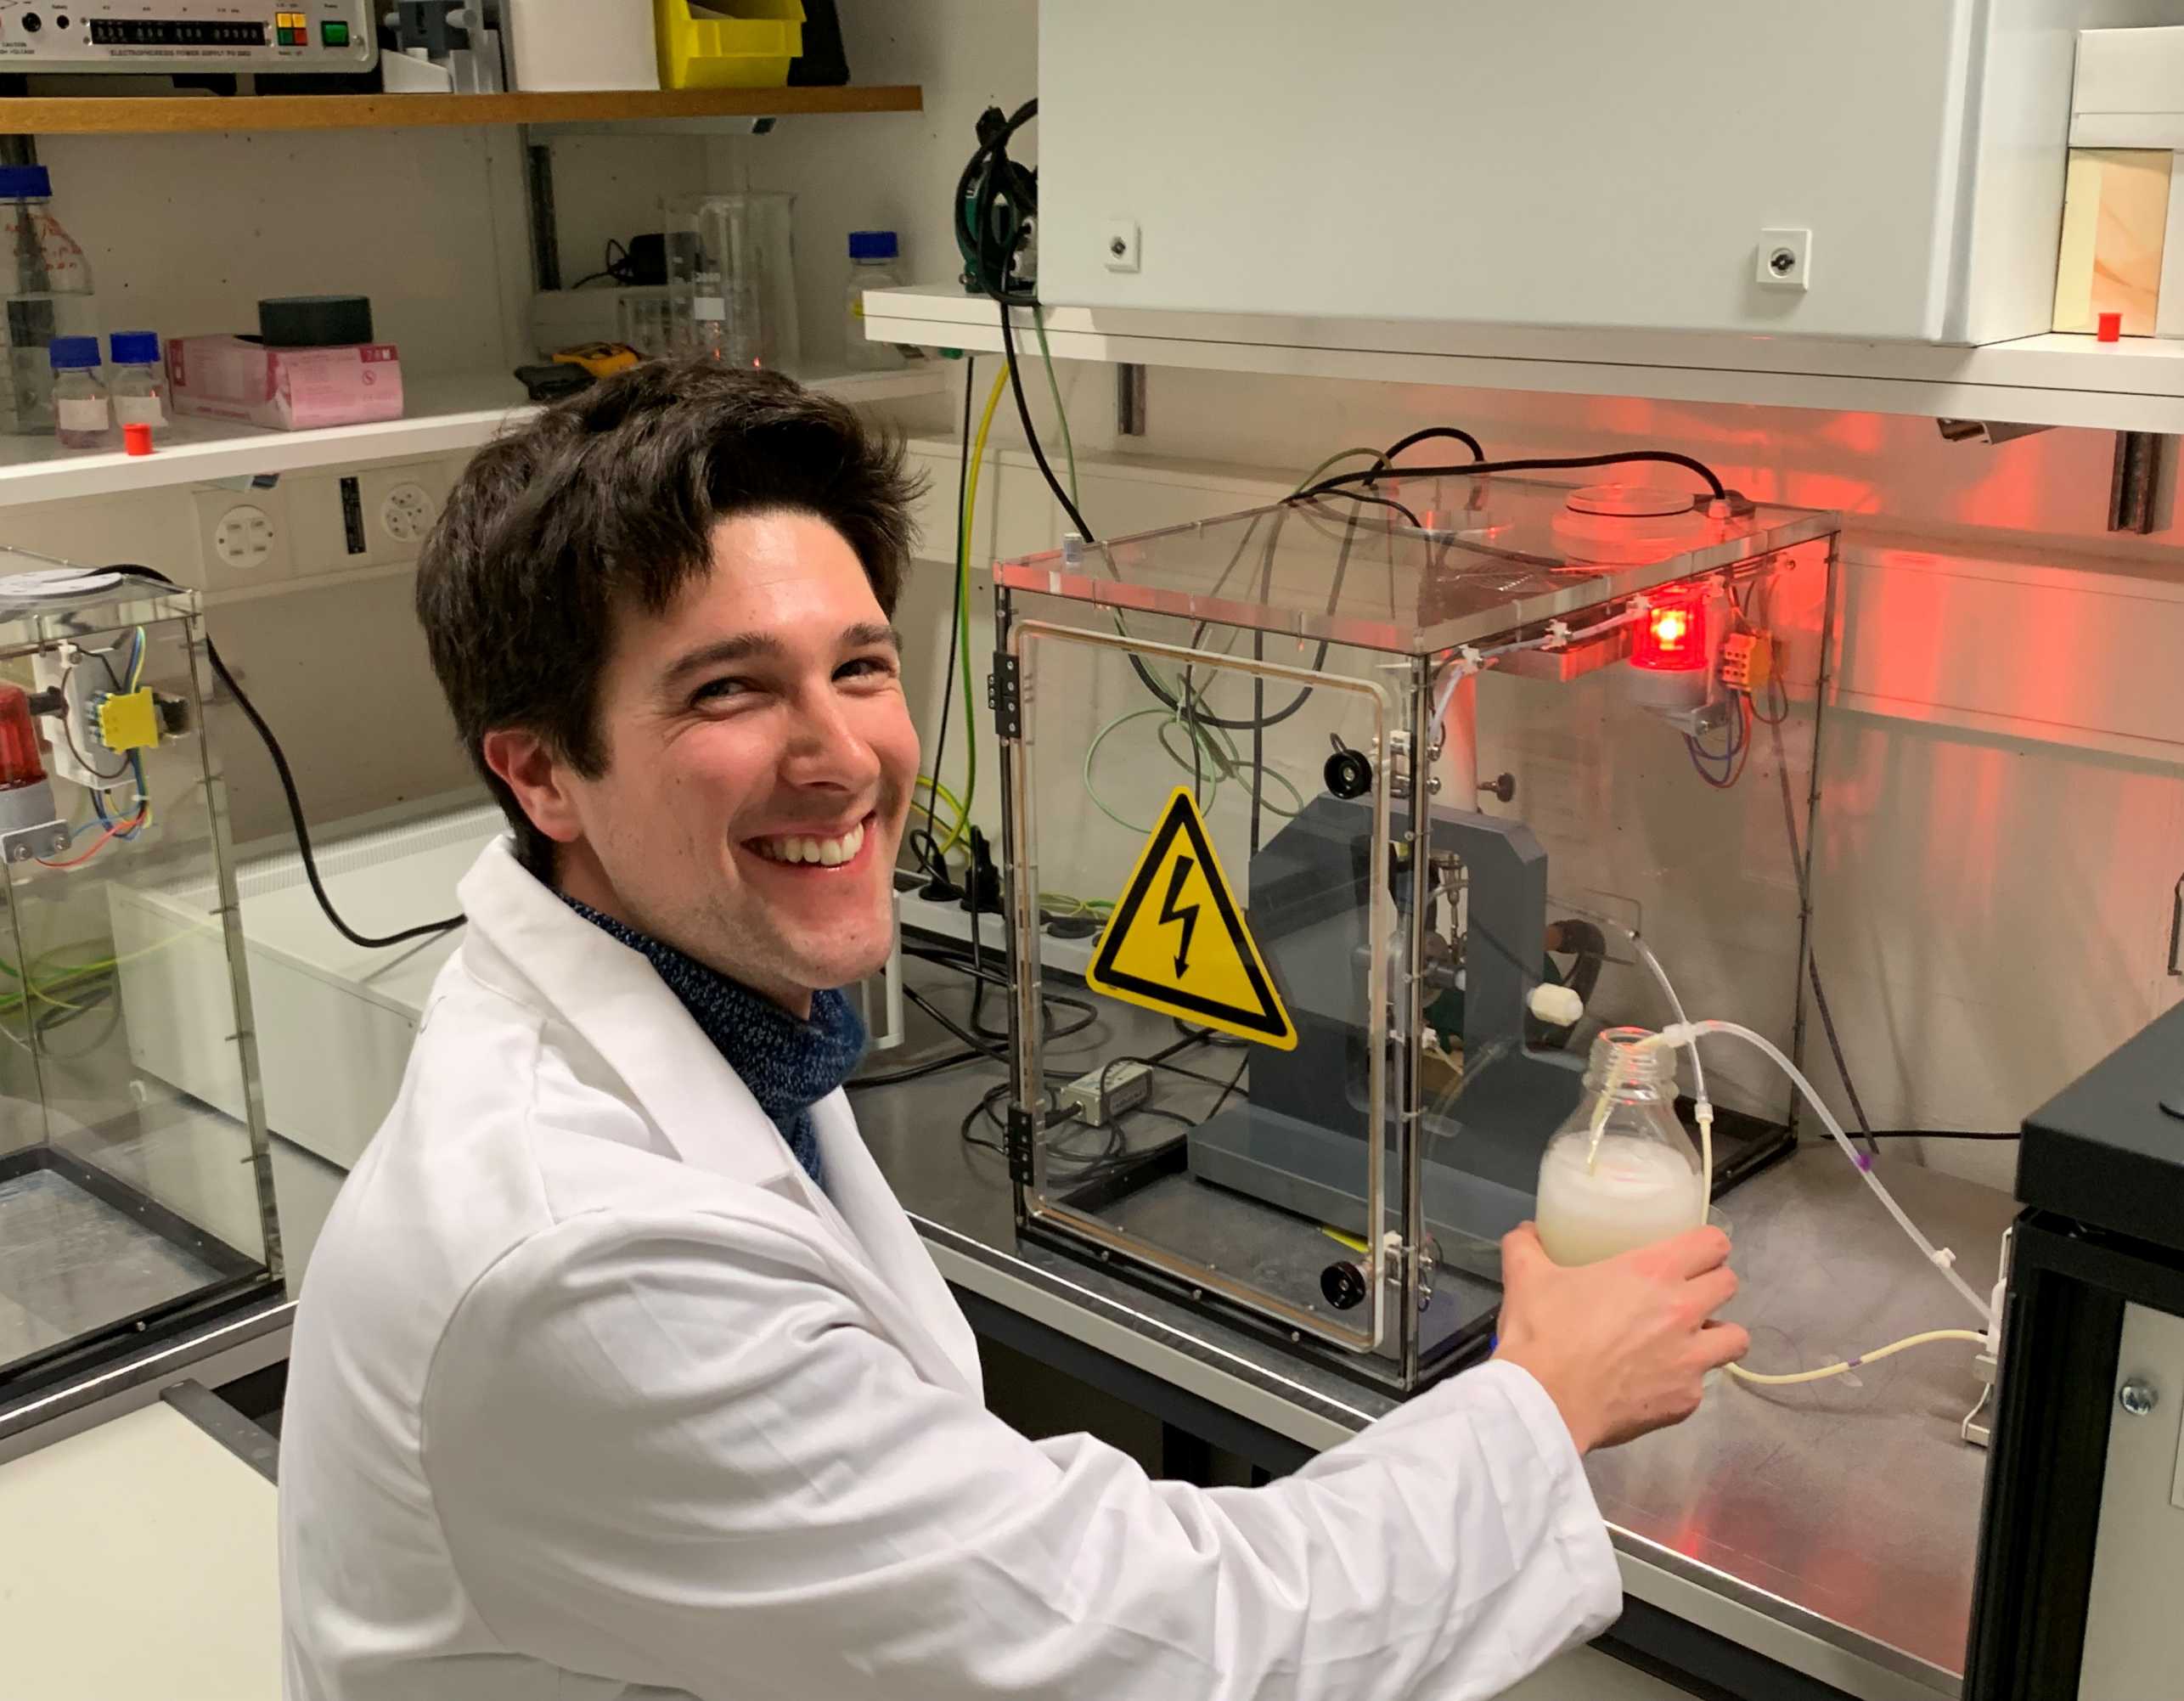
pixel 1177 941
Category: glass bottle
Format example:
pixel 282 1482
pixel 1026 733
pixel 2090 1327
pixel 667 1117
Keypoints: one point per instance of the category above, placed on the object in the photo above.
pixel 140 382
pixel 44 293
pixel 82 418
pixel 871 267
pixel 1620 1172
pixel 731 277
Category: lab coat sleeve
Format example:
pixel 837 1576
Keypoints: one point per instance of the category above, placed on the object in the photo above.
pixel 676 1452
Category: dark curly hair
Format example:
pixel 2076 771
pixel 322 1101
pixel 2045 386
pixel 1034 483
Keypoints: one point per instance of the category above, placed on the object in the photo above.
pixel 608 501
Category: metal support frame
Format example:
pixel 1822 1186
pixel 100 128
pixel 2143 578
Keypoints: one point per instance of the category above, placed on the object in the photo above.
pixel 2062 1327
pixel 2135 481
pixel 1129 400
pixel 1027 990
pixel 545 236
pixel 1809 849
pixel 1411 1109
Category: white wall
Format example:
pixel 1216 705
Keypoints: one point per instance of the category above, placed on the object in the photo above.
pixel 185 233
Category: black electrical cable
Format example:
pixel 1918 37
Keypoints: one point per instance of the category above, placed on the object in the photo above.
pixel 993 186
pixel 282 771
pixel 915 1071
pixel 1936 1134
pixel 1031 433
pixel 992 156
pixel 1812 956
pixel 1429 434
pixel 937 866
pixel 1529 464
pixel 1350 495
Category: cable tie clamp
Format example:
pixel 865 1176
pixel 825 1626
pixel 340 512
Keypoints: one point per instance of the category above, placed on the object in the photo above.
pixel 1558 634
pixel 1944 1259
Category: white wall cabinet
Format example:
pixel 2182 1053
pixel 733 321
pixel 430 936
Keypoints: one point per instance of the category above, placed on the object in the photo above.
pixel 1586 164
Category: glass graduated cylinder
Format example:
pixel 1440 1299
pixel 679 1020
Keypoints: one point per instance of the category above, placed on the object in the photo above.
pixel 1620 1172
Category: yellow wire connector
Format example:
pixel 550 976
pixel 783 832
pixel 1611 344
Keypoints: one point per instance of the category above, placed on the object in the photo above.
pixel 129 720
pixel 1748 662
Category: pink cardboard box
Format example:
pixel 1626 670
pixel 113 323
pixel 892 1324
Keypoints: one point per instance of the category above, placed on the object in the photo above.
pixel 289 389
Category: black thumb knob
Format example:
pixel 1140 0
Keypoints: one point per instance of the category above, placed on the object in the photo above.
pixel 1348 774
pixel 1503 786
pixel 1343 1285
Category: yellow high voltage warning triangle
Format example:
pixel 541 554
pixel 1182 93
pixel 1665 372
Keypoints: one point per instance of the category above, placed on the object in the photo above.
pixel 1177 942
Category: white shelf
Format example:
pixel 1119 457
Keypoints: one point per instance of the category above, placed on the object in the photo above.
pixel 2136 384
pixel 446 414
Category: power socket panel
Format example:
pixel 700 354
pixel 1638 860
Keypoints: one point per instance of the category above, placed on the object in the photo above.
pixel 244 539
pixel 373 517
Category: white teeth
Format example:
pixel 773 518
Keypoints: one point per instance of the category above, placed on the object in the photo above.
pixel 826 853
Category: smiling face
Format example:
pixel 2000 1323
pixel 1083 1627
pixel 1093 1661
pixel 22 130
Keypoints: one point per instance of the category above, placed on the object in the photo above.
pixel 759 764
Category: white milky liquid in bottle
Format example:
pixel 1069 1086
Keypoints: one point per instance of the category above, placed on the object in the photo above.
pixel 1640 1184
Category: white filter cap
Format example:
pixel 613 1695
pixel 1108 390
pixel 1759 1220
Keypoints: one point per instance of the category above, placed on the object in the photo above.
pixel 1558 1006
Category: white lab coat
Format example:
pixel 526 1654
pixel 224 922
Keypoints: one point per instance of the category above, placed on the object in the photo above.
pixel 594 1394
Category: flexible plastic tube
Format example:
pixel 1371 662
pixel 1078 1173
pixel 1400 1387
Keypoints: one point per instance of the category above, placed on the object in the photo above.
pixel 1825 1371
pixel 1940 1257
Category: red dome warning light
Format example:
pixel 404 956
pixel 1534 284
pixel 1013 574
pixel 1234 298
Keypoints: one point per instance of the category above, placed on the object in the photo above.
pixel 20 763
pixel 1672 637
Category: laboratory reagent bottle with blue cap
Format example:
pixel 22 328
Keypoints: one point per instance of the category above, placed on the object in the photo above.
pixel 83 420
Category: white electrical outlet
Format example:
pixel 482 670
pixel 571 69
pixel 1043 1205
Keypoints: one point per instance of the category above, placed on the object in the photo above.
pixel 375 516
pixel 407 512
pixel 1785 260
pixel 1118 242
pixel 243 539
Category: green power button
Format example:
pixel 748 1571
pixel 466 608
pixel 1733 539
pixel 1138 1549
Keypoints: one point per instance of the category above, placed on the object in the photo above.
pixel 334 35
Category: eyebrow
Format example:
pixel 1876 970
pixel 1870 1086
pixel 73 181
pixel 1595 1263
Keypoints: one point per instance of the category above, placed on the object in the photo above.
pixel 745 646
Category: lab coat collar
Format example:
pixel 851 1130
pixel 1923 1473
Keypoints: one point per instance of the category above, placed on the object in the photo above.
pixel 527 944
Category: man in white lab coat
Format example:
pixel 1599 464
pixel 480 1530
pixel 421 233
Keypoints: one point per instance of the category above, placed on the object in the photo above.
pixel 619 1370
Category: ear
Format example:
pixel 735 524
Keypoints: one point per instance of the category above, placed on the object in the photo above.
pixel 542 781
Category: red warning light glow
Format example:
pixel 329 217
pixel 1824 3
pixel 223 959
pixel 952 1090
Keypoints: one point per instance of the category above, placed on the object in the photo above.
pixel 19 763
pixel 1672 638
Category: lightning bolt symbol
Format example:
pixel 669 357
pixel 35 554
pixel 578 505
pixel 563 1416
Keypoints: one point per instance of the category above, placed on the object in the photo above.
pixel 1187 914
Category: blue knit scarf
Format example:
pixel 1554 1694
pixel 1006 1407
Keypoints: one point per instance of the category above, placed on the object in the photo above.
pixel 789 1065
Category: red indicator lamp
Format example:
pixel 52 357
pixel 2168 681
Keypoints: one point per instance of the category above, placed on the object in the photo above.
pixel 1672 637
pixel 20 764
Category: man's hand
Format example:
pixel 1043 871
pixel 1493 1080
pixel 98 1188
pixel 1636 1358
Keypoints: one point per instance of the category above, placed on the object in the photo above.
pixel 1621 1345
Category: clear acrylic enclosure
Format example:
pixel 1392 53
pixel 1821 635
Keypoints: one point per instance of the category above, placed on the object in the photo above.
pixel 1318 1072
pixel 128 1207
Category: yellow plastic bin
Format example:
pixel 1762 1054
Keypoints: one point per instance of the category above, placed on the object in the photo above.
pixel 734 44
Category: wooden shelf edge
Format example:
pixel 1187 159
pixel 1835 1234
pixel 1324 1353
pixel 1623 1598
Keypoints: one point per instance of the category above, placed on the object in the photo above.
pixel 169 115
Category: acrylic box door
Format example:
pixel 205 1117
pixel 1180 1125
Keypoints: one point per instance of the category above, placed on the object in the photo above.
pixel 1235 952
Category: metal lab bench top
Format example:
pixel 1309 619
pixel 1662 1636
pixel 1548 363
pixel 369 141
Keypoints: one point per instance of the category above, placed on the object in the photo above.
pixel 1830 1527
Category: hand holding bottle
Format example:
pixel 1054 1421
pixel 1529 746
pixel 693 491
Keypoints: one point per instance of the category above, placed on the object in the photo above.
pixel 1622 1346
